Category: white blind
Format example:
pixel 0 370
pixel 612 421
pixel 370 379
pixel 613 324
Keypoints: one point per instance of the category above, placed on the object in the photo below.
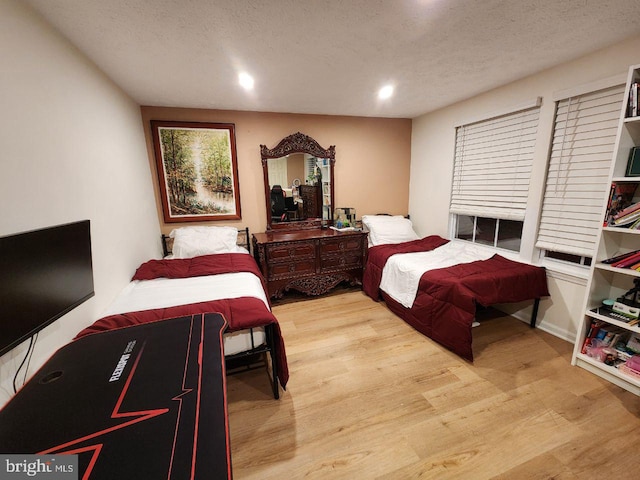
pixel 578 175
pixel 492 166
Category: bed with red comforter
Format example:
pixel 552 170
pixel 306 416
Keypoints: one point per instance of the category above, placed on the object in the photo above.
pixel 241 312
pixel 445 304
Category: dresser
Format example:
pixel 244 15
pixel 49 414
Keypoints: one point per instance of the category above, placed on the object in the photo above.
pixel 310 261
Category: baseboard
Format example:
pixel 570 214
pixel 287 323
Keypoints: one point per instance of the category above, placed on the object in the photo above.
pixel 545 326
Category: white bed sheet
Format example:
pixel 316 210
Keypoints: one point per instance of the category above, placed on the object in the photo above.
pixel 401 274
pixel 168 292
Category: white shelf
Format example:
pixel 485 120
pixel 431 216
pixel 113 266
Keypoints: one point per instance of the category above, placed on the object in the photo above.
pixel 632 120
pixel 626 179
pixel 624 231
pixel 606 281
pixel 622 271
pixel 609 373
pixel 613 321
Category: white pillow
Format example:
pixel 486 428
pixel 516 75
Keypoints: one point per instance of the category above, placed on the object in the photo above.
pixel 191 242
pixel 385 229
pixel 378 219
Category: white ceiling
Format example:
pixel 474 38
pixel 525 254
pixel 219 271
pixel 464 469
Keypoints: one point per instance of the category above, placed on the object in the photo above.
pixel 332 56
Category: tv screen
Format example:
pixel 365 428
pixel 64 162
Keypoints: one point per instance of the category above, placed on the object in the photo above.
pixel 44 274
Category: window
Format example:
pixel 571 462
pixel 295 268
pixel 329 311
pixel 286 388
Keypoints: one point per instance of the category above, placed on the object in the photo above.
pixel 492 169
pixel 493 232
pixel 566 257
pixel 577 178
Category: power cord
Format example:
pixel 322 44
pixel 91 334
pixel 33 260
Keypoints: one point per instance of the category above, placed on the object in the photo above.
pixel 27 359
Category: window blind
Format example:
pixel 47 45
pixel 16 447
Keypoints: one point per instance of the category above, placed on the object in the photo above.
pixel 578 173
pixel 492 166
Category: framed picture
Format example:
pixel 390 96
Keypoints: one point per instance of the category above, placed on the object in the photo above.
pixel 197 170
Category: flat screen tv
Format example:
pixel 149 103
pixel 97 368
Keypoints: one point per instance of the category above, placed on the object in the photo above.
pixel 44 274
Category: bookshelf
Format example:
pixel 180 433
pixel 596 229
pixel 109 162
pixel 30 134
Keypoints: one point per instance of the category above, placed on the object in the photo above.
pixel 607 281
pixel 323 163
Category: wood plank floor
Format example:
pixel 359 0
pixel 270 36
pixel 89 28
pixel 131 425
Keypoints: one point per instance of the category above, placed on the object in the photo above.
pixel 371 398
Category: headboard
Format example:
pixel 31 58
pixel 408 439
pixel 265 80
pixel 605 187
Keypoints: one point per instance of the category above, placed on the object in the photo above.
pixel 243 241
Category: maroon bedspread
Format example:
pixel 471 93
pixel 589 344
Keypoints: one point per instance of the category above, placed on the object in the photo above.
pixel 198 266
pixel 377 258
pixel 241 313
pixel 445 304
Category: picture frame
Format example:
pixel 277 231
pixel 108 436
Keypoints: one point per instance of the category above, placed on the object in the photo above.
pixel 197 170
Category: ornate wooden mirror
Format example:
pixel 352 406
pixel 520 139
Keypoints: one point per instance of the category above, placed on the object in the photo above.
pixel 298 183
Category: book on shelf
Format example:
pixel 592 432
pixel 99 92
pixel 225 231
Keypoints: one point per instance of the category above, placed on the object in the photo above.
pixel 633 164
pixel 620 197
pixel 620 257
pixel 633 208
pixel 594 328
pixel 627 262
pixel 627 219
pixel 635 225
pixel 632 110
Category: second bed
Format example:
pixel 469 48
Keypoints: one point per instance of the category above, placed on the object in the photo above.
pixel 435 284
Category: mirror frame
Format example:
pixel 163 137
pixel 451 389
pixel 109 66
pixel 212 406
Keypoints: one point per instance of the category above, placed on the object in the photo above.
pixel 297 143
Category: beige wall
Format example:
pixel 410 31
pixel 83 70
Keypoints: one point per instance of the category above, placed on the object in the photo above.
pixel 72 149
pixel 432 153
pixel 372 157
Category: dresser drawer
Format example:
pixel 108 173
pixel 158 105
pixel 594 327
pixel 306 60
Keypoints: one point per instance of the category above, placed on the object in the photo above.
pixel 343 261
pixel 294 268
pixel 290 251
pixel 340 245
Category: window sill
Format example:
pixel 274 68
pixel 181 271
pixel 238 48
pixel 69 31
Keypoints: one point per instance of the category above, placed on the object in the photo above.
pixel 578 274
pixel 562 271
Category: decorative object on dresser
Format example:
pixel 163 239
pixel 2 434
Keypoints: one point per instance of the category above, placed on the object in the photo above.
pixel 197 170
pixel 310 203
pixel 311 261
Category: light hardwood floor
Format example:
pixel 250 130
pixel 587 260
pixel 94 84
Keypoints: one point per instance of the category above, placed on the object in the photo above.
pixel 371 398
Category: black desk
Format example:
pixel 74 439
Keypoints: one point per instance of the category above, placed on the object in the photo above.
pixel 142 402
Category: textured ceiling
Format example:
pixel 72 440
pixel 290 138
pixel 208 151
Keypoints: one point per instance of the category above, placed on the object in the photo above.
pixel 332 56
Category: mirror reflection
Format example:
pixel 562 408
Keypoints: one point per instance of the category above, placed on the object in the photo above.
pixel 299 186
pixel 298 177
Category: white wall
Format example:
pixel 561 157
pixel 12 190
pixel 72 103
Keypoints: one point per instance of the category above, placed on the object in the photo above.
pixel 72 147
pixel 432 151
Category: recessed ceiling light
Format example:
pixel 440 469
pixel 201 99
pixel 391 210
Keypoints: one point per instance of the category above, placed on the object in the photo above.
pixel 246 81
pixel 385 92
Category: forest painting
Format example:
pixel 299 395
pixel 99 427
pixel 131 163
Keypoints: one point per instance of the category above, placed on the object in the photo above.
pixel 197 170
